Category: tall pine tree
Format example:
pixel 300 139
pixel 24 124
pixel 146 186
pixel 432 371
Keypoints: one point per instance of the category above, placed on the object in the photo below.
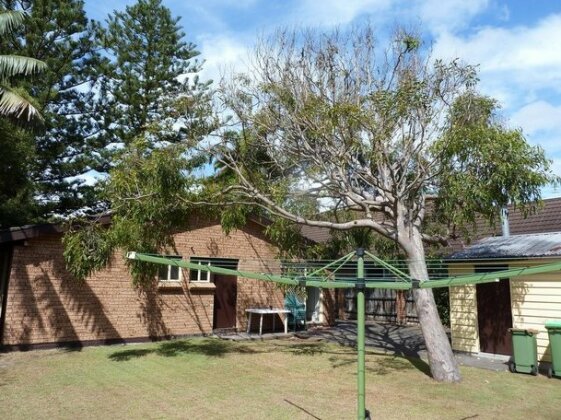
pixel 152 84
pixel 157 112
pixel 59 33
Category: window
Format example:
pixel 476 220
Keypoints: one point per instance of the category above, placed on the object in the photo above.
pixel 199 275
pixel 169 272
pixel 203 276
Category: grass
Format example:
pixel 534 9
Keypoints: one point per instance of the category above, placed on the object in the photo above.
pixel 280 379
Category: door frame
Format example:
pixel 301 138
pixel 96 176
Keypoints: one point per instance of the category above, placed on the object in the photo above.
pixel 235 306
pixel 6 257
pixel 489 269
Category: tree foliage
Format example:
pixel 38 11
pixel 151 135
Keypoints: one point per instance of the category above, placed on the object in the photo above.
pixel 151 69
pixel 374 132
pixel 144 191
pixel 157 119
pixel 58 33
pixel 485 166
pixel 17 205
pixel 17 110
pixel 12 102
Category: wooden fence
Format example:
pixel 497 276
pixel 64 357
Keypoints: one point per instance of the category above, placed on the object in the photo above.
pixel 381 305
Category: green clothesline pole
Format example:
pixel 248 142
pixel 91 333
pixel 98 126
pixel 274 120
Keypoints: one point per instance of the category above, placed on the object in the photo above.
pixel 361 336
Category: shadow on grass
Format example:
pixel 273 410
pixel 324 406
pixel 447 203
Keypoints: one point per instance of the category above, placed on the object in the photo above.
pixel 302 409
pixel 403 341
pixel 124 355
pixel 304 349
pixel 338 356
pixel 207 347
pixel 420 365
pixel 344 356
pixel 384 365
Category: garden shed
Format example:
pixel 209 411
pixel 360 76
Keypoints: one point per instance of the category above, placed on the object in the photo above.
pixel 480 315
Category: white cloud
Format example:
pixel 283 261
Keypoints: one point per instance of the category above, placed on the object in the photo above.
pixel 539 117
pixel 526 58
pixel 335 12
pixel 517 48
pixel 437 15
pixel 222 53
pixel 541 123
pixel 214 4
pixel 445 15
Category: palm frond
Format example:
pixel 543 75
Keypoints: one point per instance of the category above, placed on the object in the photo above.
pixel 10 19
pixel 14 105
pixel 11 65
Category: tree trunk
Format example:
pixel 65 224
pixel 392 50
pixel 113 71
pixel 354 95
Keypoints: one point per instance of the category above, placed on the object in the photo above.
pixel 443 364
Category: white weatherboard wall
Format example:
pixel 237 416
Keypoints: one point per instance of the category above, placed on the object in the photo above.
pixel 463 313
pixel 534 300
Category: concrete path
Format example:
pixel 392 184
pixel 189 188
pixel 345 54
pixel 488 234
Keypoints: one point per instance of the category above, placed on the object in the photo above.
pixel 396 339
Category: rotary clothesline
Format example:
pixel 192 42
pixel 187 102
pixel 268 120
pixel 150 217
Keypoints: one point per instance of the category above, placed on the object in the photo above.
pixel 323 277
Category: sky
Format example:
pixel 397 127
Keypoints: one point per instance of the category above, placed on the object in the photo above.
pixel 516 43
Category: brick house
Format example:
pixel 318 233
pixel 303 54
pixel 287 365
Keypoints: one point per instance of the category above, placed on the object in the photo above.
pixel 42 305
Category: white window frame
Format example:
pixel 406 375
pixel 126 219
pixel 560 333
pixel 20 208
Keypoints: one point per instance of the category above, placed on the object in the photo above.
pixel 179 271
pixel 209 275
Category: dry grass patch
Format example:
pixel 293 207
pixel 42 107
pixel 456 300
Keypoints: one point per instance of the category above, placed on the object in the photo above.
pixel 280 379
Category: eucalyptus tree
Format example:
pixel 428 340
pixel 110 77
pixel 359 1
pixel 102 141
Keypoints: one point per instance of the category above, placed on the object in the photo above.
pixel 376 130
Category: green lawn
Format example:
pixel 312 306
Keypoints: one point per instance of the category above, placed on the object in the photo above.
pixel 280 379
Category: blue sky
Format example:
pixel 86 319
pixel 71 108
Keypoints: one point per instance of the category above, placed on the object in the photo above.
pixel 517 43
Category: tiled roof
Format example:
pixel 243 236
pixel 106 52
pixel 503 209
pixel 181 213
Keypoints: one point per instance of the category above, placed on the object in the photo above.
pixel 316 234
pixel 547 218
pixel 514 246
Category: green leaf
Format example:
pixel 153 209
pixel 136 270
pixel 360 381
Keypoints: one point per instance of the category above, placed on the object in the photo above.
pixel 13 65
pixel 12 104
pixel 9 20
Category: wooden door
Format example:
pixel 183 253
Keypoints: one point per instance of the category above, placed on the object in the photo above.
pixel 225 296
pixel 494 315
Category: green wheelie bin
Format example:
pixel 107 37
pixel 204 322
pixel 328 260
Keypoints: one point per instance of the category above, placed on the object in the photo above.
pixel 554 332
pixel 525 351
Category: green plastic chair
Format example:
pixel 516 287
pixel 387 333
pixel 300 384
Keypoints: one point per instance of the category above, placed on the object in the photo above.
pixel 297 308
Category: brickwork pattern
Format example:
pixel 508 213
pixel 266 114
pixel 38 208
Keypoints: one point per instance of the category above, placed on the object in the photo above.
pixel 46 305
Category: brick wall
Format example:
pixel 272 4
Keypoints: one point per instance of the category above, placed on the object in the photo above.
pixel 46 305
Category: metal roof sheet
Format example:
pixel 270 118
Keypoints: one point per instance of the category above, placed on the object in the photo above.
pixel 514 246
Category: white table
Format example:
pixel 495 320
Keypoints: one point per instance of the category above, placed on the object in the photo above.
pixel 268 311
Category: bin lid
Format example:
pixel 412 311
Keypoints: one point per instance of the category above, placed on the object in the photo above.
pixel 525 331
pixel 553 324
